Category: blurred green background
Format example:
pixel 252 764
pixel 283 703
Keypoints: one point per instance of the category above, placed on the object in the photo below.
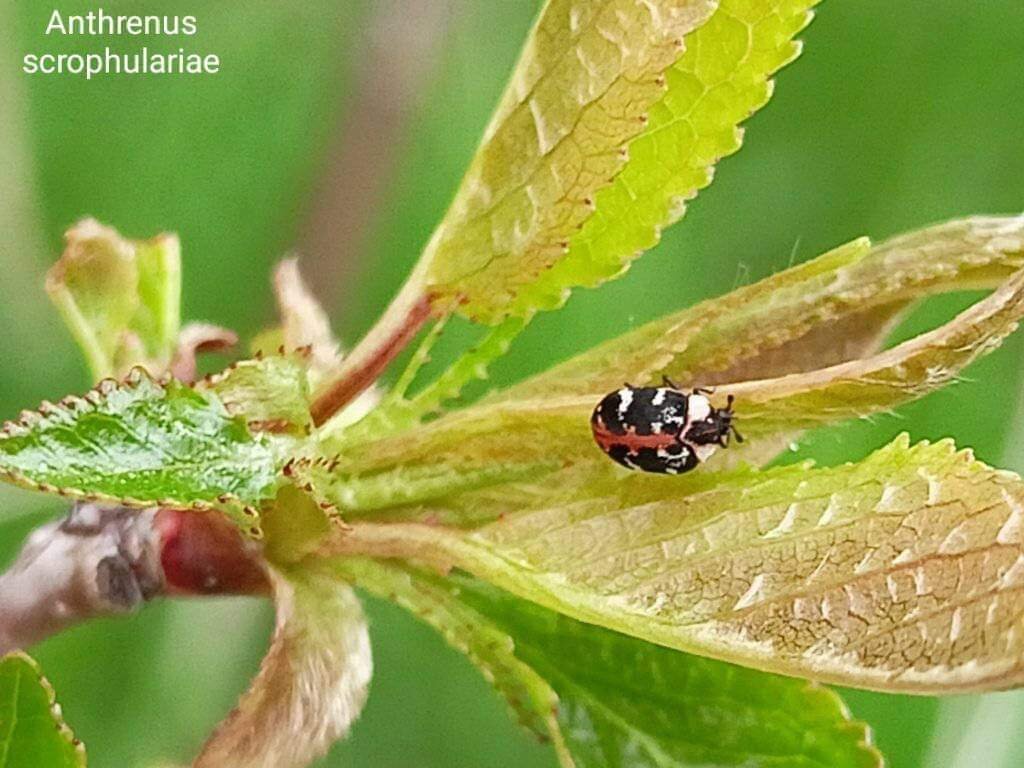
pixel 340 128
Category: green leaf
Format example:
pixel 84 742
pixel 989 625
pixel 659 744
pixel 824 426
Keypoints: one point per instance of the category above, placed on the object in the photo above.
pixel 435 600
pixel 270 393
pixel 311 686
pixel 142 443
pixel 607 700
pixel 357 494
pixel 624 702
pixel 32 732
pixel 899 573
pixel 119 297
pixel 722 78
pixel 587 79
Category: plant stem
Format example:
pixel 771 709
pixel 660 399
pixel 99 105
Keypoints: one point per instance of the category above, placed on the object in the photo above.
pixel 94 562
pixel 103 561
pixel 396 327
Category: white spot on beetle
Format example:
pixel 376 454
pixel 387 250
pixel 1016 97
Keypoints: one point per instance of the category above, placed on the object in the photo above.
pixel 699 408
pixel 625 400
pixel 659 396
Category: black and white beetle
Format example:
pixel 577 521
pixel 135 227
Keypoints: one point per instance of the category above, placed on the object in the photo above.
pixel 661 429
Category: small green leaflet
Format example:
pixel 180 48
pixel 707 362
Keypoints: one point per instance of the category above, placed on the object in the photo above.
pixel 271 393
pixel 120 298
pixel 142 443
pixel 32 733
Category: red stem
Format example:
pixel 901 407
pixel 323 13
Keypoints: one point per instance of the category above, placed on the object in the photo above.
pixel 103 561
pixel 369 359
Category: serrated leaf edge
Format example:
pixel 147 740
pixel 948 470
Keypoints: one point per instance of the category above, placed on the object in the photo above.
pixel 76 405
pixel 56 713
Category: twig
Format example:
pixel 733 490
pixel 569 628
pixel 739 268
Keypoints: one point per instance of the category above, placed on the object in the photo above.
pixel 95 562
pixel 102 561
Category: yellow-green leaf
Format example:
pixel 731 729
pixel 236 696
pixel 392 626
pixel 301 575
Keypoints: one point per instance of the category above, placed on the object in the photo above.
pixel 403 487
pixel 606 700
pixel 872 384
pixel 784 326
pixel 902 572
pixel 722 78
pixel 613 118
pixel 119 297
pixel 588 76
pixel 825 311
pixel 293 525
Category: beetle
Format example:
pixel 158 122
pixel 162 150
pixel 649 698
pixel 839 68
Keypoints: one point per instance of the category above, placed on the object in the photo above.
pixel 661 429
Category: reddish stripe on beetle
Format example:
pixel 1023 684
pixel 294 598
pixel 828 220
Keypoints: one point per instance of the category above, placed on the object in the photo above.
pixel 607 439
